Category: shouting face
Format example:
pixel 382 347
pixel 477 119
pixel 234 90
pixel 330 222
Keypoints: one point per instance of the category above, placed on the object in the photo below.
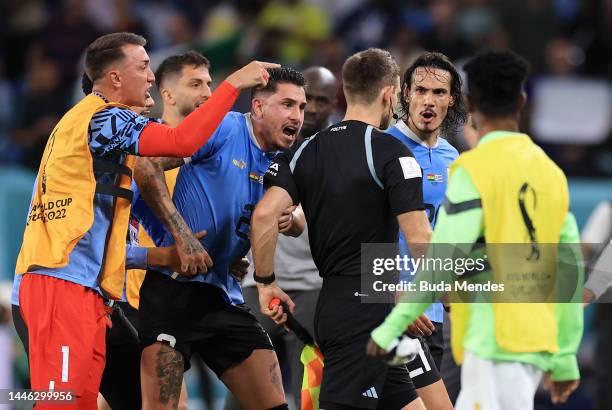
pixel 429 97
pixel 280 116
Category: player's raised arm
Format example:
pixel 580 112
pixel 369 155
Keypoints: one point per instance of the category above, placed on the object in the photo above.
pixel 158 140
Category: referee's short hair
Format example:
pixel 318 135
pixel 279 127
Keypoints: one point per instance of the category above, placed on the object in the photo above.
pixel 106 50
pixel 495 82
pixel 173 65
pixel 365 73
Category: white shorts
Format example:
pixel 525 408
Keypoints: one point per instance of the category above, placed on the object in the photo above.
pixel 497 385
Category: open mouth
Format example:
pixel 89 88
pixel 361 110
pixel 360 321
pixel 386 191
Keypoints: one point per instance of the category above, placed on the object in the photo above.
pixel 290 131
pixel 428 115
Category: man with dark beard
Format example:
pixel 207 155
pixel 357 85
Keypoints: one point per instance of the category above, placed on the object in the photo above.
pixel 296 272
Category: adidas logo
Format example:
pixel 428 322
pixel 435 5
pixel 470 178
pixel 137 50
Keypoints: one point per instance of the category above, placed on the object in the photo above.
pixel 371 392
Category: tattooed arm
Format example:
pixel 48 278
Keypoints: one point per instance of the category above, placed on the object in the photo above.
pixel 149 175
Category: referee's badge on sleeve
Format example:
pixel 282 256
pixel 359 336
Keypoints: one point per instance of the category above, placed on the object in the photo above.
pixel 273 169
pixel 410 167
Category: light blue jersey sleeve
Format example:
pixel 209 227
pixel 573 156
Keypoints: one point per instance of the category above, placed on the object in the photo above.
pixel 135 257
pixel 228 127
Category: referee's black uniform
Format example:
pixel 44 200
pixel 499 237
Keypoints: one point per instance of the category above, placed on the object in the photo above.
pixel 352 181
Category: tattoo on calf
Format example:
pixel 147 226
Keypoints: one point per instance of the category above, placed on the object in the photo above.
pixel 169 371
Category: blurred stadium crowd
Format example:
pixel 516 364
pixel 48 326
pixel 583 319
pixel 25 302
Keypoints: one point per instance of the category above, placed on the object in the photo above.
pixel 567 42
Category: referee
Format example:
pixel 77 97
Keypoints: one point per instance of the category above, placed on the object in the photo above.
pixel 355 183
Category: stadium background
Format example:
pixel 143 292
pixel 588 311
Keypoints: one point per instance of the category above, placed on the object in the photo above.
pixel 568 42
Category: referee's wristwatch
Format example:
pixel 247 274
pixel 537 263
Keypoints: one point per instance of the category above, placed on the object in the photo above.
pixel 265 280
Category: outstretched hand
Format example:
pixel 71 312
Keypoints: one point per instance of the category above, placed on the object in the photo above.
pixel 254 74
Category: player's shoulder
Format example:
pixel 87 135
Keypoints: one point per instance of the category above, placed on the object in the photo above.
pixel 447 146
pixel 234 119
pixel 118 119
pixel 231 129
pixel 114 112
pixel 115 123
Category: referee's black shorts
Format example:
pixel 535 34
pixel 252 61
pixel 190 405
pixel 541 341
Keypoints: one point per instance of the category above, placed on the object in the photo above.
pixel 425 369
pixel 351 379
pixel 194 317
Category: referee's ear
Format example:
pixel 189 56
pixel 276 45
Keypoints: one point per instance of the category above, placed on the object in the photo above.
pixel 388 92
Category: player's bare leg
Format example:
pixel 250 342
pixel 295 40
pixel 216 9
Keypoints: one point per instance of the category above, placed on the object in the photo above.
pixel 184 399
pixel 415 405
pixel 256 382
pixel 435 396
pixel 161 375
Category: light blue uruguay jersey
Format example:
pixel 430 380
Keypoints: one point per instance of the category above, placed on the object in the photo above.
pixel 217 191
pixel 434 162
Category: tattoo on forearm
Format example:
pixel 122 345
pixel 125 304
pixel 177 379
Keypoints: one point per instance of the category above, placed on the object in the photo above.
pixel 182 231
pixel 149 175
pixel 169 371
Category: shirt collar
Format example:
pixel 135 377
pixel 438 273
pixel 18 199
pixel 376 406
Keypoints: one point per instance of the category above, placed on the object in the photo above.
pixel 99 95
pixel 404 129
pixel 249 123
pixel 495 135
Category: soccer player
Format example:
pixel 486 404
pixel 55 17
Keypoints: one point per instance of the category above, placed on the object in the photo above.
pixel 136 257
pixel 184 84
pixel 491 197
pixel 216 191
pixel 355 184
pixel 432 102
pixel 80 209
pixel 296 272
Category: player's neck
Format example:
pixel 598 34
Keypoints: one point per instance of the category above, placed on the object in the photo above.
pixel 429 138
pixel 172 118
pixel 108 93
pixel 370 114
pixel 486 125
pixel 258 133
